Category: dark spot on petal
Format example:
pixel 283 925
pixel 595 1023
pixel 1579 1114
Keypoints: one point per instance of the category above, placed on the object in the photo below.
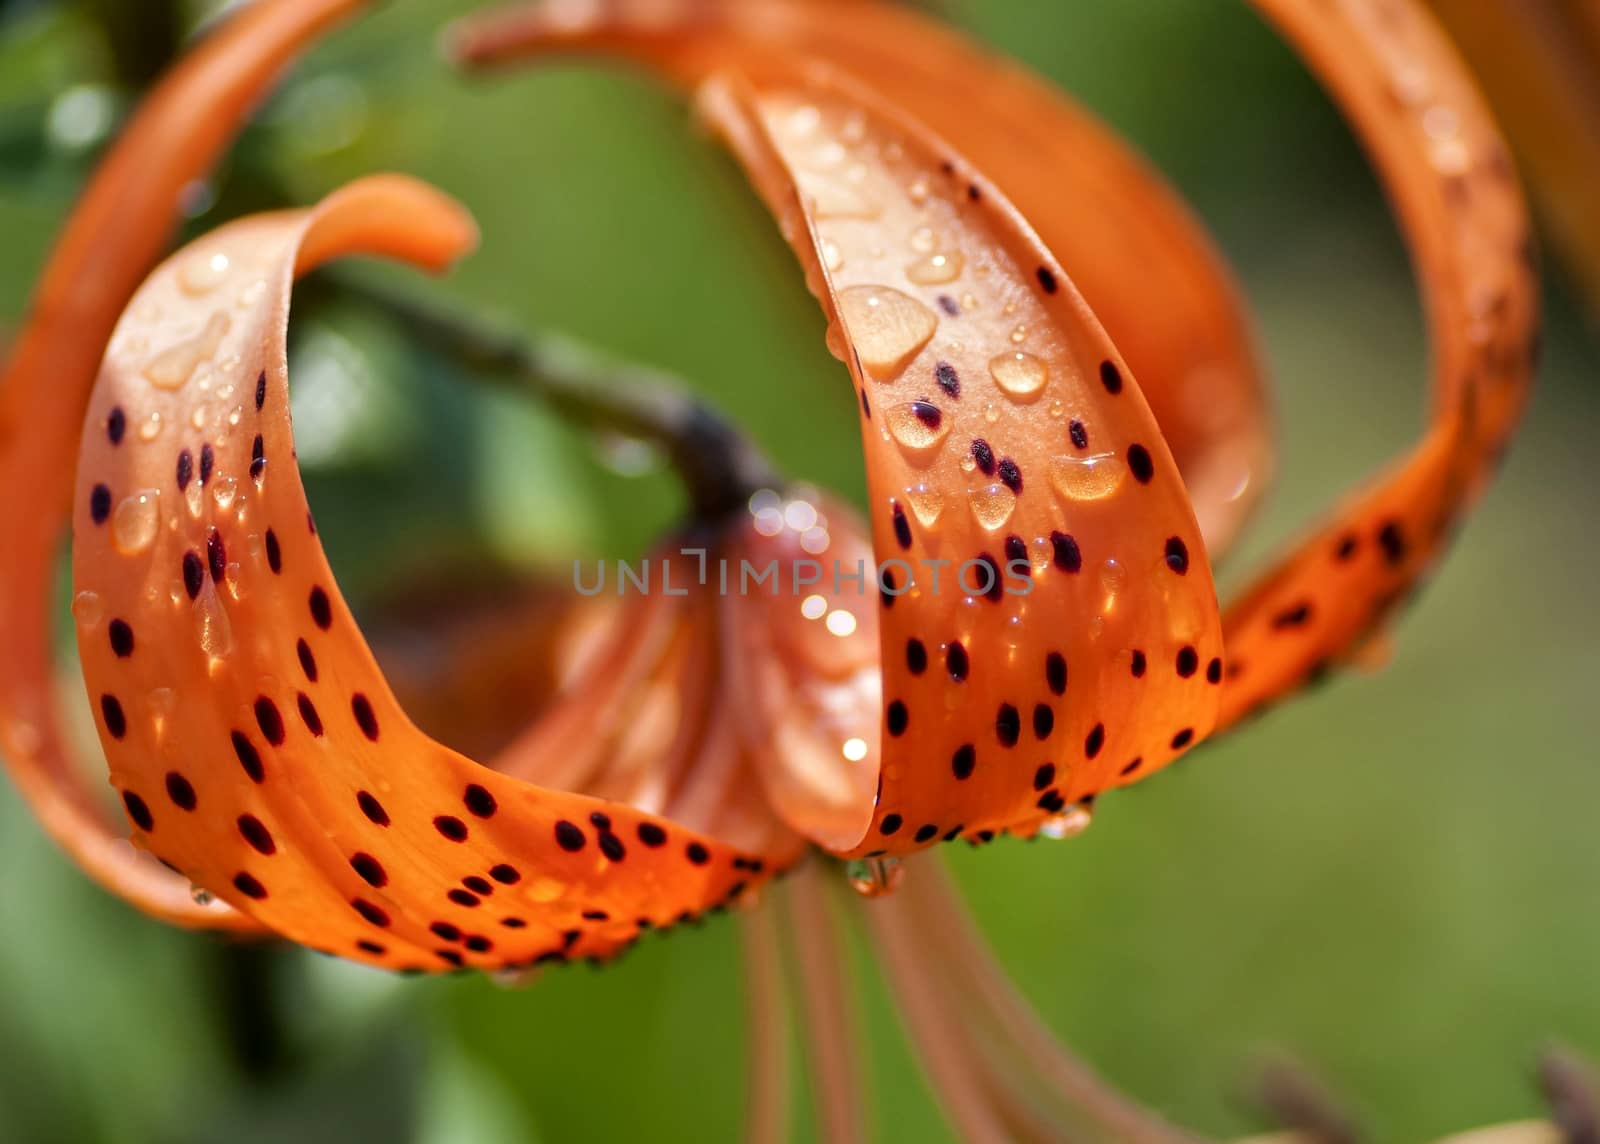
pixel 1055 672
pixel 698 854
pixel 1080 435
pixel 372 913
pixel 450 827
pixel 1177 555
pixel 1393 542
pixel 479 801
pixel 1133 766
pixel 1183 738
pixel 274 553
pixel 1138 664
pixel 964 760
pixel 121 638
pixel 372 808
pixel 1010 474
pixel 99 503
pixel 138 812
pixel 111 711
pixel 1047 279
pixel 1044 720
pixel 926 832
pixel 116 425
pixel 949 380
pixel 1068 556
pixel 261 389
pixel 902 526
pixel 1296 616
pixel 956 662
pixel 984 455
pixel 1214 671
pixel 950 307
pixel 270 722
pixel 1188 662
pixel 1095 740
pixel 896 717
pixel 927 413
pixel 1140 464
pixel 505 875
pixel 216 556
pixel 185 470
pixel 370 869
pixel 1007 725
pixel 1111 377
pixel 249 757
pixel 308 714
pixel 569 836
pixel 254 832
pixel 321 609
pixel 652 835
pixel 181 791
pixel 1044 776
pixel 361 708
pixel 464 898
pixel 249 886
pixel 208 462
pixel 194 574
pixel 916 657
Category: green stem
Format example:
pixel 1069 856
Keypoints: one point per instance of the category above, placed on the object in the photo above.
pixel 719 466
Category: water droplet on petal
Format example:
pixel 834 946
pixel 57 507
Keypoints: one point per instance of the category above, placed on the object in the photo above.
pixel 833 197
pixel 173 366
pixel 150 427
pixel 874 877
pixel 1088 478
pixel 918 426
pixel 924 240
pixel 926 503
pixel 88 609
pixel 832 258
pixel 992 505
pixel 1019 375
pixel 138 518
pixel 212 625
pixel 854 750
pixel 887 327
pixel 201 273
pixel 935 269
pixel 1068 824
pixel 223 490
pixel 200 895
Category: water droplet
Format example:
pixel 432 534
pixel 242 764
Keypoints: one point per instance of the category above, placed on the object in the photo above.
pixel 832 258
pixel 202 273
pixel 968 462
pixel 1068 824
pixel 841 623
pixel 1088 478
pixel 1019 335
pixel 198 417
pixel 1041 552
pixel 235 415
pixel 200 895
pixel 854 750
pixel 1113 577
pixel 918 191
pixel 1019 375
pixel 88 609
pixel 991 413
pixel 1058 409
pixel 918 426
pixel 138 518
pixel 172 367
pixel 211 623
pixel 251 294
pixel 223 490
pixel 150 427
pixel 924 240
pixel 887 327
pixel 935 269
pixel 969 301
pixel 992 505
pixel 194 498
pixel 874 877
pixel 926 503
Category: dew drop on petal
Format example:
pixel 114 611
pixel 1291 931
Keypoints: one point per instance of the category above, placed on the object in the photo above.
pixel 1019 375
pixel 935 269
pixel 874 877
pixel 1068 824
pixel 88 609
pixel 137 520
pixel 854 750
pixel 887 327
pixel 173 366
pixel 201 273
pixel 992 505
pixel 223 491
pixel 918 426
pixel 926 503
pixel 1088 478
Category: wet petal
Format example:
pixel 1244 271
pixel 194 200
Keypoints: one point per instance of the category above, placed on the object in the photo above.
pixel 1447 173
pixel 1143 263
pixel 116 232
pixel 283 775
pixel 1057 568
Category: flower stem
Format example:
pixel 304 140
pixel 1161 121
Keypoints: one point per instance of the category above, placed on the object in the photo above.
pixel 718 465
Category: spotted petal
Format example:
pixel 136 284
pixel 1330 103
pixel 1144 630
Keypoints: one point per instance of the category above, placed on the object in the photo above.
pixel 1035 540
pixel 256 745
pixel 1137 254
pixel 115 234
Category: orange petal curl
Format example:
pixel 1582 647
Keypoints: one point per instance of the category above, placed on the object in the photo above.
pixel 1070 640
pixel 1146 267
pixel 256 745
pixel 114 235
pixel 1451 182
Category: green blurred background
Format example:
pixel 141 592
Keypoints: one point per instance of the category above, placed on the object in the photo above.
pixel 1396 880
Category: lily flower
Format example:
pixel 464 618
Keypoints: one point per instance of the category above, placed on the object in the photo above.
pixel 1038 623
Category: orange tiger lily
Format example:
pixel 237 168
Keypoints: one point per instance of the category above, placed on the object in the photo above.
pixel 1076 478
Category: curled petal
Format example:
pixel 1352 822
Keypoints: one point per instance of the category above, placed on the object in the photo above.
pixel 1021 575
pixel 115 233
pixel 1448 176
pixel 1140 258
pixel 280 772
